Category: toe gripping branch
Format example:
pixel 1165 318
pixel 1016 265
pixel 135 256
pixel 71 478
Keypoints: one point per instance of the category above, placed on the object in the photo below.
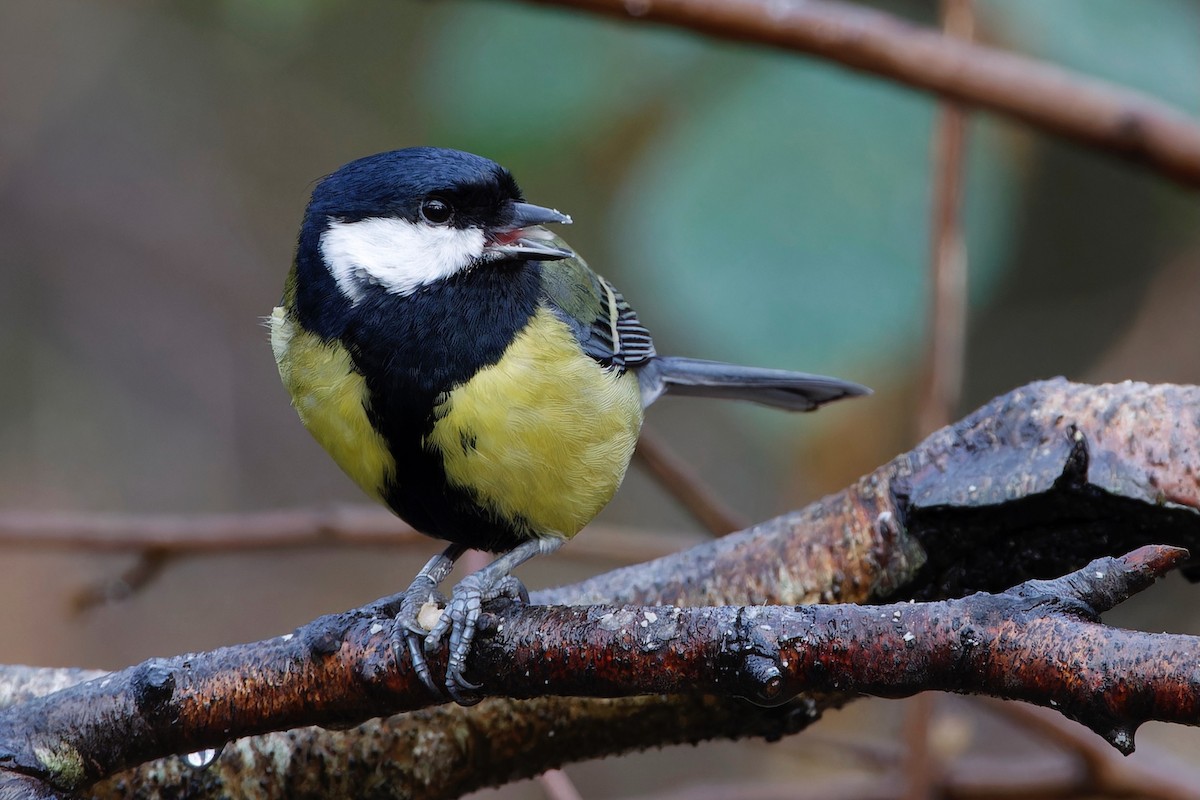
pixel 1035 642
pixel 409 632
pixel 459 620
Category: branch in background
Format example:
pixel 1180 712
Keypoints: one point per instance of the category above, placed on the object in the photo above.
pixel 25 683
pixel 557 785
pixel 149 566
pixel 217 533
pixel 158 539
pixel 685 485
pixel 1105 771
pixel 990 775
pixel 1040 642
pixel 948 253
pixel 1053 99
pixel 942 376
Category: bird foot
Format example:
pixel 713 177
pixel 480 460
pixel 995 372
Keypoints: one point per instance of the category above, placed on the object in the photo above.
pixel 410 633
pixel 460 620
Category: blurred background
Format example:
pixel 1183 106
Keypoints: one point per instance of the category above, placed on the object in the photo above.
pixel 753 206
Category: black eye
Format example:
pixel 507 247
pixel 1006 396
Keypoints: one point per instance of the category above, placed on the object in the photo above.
pixel 436 211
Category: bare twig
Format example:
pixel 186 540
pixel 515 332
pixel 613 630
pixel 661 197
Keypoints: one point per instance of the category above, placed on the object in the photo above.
pixel 849 789
pixel 219 533
pixel 357 526
pixel 1084 109
pixel 1106 771
pixel 159 539
pixel 922 771
pixel 685 485
pixel 943 372
pixel 948 262
pixel 150 564
pixel 558 786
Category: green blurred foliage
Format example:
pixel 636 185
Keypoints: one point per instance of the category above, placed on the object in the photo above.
pixel 761 207
pixel 753 205
pixel 510 82
pixel 813 239
pixel 1150 46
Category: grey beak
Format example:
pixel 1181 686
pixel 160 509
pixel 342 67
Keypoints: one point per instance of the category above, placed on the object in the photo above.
pixel 523 238
pixel 526 214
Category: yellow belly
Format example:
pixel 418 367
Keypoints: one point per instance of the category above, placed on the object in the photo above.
pixel 330 398
pixel 543 436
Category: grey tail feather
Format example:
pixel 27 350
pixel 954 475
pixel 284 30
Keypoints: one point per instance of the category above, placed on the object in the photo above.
pixel 793 391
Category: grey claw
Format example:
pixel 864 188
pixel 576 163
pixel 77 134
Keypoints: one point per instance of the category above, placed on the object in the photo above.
pixel 410 631
pixel 460 695
pixel 512 588
pixel 404 636
pixel 460 620
pixel 420 665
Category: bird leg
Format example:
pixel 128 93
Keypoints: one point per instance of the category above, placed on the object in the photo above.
pixel 422 590
pixel 461 616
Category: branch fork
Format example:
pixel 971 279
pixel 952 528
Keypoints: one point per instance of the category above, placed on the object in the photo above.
pixel 1036 483
pixel 341 670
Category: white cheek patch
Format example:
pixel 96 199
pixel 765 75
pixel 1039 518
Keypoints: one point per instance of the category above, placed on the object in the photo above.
pixel 396 254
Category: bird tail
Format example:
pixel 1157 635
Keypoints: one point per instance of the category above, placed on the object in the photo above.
pixel 793 391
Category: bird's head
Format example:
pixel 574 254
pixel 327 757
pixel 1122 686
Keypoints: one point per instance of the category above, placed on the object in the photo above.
pixel 404 219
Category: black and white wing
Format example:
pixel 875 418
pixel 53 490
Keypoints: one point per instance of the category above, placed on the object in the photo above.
pixel 605 324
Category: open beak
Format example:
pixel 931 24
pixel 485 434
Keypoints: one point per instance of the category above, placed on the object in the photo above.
pixel 524 239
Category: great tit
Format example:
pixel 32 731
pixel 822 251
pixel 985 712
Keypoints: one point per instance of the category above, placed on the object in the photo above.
pixel 469 371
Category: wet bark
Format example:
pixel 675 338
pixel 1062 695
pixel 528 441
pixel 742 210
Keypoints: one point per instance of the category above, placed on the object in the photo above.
pixel 1033 485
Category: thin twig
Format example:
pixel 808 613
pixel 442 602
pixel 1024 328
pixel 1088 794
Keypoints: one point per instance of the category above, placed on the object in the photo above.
pixel 948 264
pixel 922 774
pixel 558 785
pixel 355 526
pixel 150 564
pixel 850 788
pixel 943 373
pixel 475 560
pixel 159 539
pixel 1107 772
pixel 1078 107
pixel 685 485
pixel 220 533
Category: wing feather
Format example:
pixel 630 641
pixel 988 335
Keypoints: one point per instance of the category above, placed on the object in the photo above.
pixel 605 324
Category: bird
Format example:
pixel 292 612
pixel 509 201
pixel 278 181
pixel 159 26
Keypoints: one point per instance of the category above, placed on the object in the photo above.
pixel 469 371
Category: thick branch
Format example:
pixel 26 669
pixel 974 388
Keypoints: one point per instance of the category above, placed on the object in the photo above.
pixel 1034 484
pixel 1028 643
pixel 1084 109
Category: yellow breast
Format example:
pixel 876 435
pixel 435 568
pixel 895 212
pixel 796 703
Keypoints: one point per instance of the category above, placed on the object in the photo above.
pixel 544 435
pixel 330 397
